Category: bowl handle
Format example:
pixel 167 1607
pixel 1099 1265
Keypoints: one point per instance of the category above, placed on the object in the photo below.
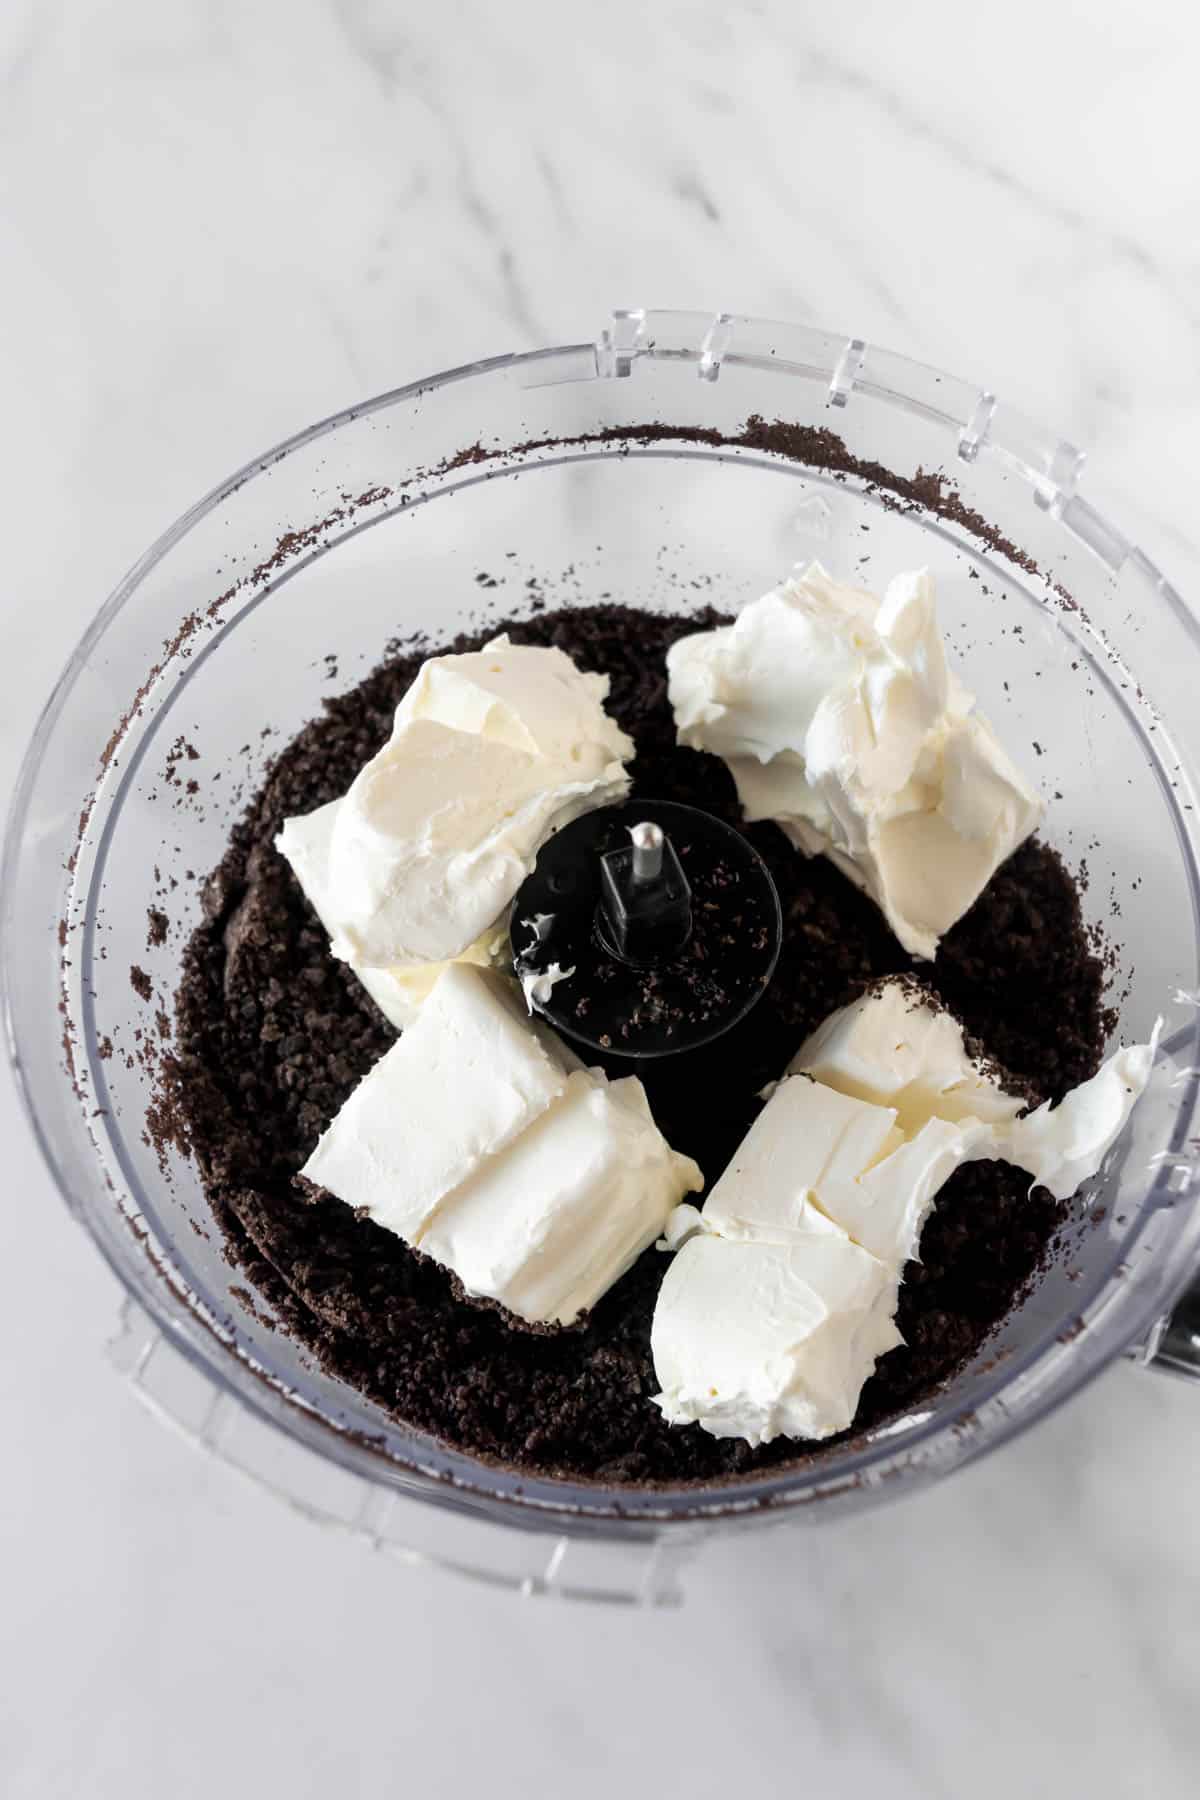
pixel 1174 1344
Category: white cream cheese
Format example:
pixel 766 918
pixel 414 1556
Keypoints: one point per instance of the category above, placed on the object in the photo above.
pixel 457 1087
pixel 878 1108
pixel 759 1340
pixel 537 985
pixel 415 865
pixel 1063 1146
pixel 548 1226
pixel 480 1140
pixel 772 1316
pixel 894 1048
pixel 839 719
pixel 491 752
pixel 807 1143
pixel 400 992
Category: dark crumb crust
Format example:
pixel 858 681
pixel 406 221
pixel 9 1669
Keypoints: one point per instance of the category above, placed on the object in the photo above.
pixel 273 1034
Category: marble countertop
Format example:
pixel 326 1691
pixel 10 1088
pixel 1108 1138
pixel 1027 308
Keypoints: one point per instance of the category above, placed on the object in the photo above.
pixel 220 222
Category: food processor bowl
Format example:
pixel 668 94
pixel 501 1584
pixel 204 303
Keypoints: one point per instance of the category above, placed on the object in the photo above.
pixel 630 467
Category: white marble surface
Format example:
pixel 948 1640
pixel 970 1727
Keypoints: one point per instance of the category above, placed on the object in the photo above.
pixel 220 221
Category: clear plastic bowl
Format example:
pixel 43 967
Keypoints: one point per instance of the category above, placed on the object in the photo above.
pixel 384 521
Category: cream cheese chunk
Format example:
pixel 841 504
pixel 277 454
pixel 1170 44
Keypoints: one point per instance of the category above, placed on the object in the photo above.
pixel 549 1226
pixel 838 718
pixel 878 1108
pixel 454 1090
pixel 1063 1146
pixel 490 753
pixel 480 1140
pixel 758 1340
pixel 538 985
pixel 771 1316
pixel 807 1142
pixel 399 992
pixel 894 1048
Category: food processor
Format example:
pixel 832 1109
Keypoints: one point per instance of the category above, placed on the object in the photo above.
pixel 619 467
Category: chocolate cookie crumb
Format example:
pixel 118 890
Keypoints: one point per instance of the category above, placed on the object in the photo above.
pixel 140 982
pixel 158 923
